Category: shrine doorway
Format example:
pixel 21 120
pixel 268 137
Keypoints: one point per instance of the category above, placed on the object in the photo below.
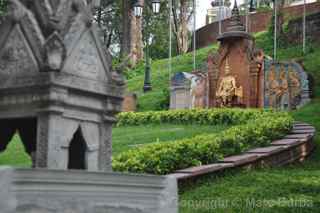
pixel 78 152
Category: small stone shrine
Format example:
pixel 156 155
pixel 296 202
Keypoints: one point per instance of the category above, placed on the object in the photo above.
pixel 58 90
pixel 234 72
pixel 57 87
pixel 241 76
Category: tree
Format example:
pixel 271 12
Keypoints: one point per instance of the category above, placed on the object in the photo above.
pixel 106 17
pixel 121 30
pixel 131 33
pixel 124 34
pixel 227 3
pixel 182 14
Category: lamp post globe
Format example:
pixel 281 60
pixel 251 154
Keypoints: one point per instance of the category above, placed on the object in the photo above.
pixel 156 6
pixel 252 7
pixel 138 9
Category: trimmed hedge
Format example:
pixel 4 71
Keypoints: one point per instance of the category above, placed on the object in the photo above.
pixel 255 128
pixel 196 116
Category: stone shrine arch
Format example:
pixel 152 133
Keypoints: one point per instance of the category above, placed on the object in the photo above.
pixel 77 152
pixel 55 71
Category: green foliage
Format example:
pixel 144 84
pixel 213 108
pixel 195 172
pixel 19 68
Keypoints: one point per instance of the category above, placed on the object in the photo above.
pixel 15 154
pixel 195 116
pixel 264 8
pixel 3 7
pixel 255 128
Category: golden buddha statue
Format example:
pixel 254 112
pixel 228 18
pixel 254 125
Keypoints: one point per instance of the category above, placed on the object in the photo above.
pixel 227 89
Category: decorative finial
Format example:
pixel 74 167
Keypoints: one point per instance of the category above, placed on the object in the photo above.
pixel 235 22
pixel 235 4
pixel 227 68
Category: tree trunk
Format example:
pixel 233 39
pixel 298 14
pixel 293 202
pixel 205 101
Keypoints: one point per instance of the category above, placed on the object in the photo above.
pixel 131 42
pixel 280 18
pixel 181 25
pixel 183 31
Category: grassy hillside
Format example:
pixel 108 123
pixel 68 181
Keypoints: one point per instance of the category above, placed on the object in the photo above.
pixel 160 78
pixel 159 96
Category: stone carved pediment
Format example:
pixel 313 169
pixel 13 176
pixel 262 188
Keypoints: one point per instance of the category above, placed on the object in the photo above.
pixel 16 57
pixel 55 35
pixel 19 15
pixel 85 60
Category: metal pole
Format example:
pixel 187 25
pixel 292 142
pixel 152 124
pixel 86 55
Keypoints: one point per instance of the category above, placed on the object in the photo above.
pixel 275 31
pixel 304 27
pixel 194 33
pixel 247 19
pixel 219 17
pixel 170 40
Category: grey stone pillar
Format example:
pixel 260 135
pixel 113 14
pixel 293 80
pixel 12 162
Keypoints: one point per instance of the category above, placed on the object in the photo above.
pixel 105 151
pixel 48 136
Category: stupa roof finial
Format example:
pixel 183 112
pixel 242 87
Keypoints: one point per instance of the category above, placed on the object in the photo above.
pixel 235 28
pixel 235 22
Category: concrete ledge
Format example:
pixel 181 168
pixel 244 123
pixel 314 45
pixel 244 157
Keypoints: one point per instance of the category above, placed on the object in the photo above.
pixel 239 160
pixel 50 191
pixel 294 147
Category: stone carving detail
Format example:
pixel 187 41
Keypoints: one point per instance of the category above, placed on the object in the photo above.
pixel 189 90
pixel 42 139
pixel 286 85
pixel 16 56
pixel 56 52
pixel 198 89
pixel 85 59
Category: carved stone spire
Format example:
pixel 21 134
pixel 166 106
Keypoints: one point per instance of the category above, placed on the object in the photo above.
pixel 235 21
pixel 235 28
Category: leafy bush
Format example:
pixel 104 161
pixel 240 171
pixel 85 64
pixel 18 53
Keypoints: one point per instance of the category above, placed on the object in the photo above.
pixel 255 128
pixel 195 116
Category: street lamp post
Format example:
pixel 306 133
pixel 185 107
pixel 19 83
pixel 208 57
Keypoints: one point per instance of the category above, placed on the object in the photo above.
pixel 138 12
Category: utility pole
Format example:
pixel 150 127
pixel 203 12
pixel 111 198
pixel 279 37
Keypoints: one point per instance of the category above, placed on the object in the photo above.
pixel 304 27
pixel 275 31
pixel 194 33
pixel 170 40
pixel 219 16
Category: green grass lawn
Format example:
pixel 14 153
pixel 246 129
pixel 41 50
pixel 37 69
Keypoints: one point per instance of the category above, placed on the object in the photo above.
pixel 129 137
pixel 124 138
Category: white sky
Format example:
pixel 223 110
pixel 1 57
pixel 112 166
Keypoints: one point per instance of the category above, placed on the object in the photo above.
pixel 203 6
